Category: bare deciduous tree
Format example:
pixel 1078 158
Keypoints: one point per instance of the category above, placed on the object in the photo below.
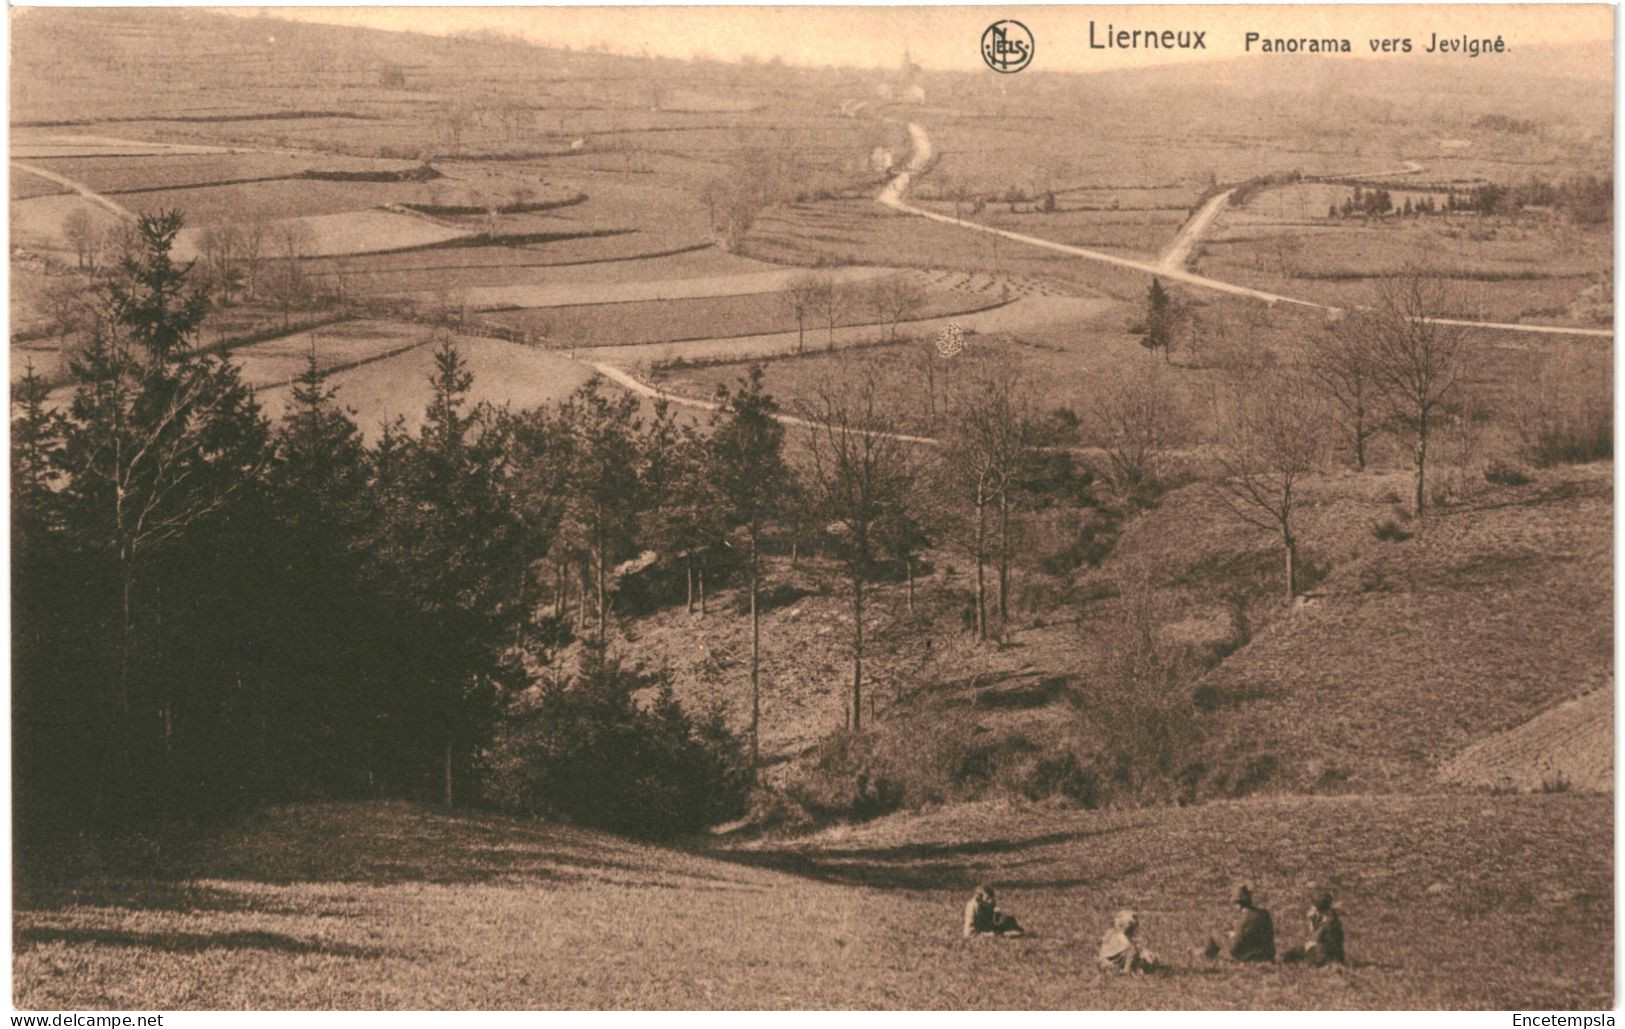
pixel 1272 437
pixel 800 296
pixel 1418 361
pixel 896 299
pixel 82 234
pixel 991 435
pixel 830 302
pixel 860 478
pixel 1135 419
pixel 1341 368
pixel 254 240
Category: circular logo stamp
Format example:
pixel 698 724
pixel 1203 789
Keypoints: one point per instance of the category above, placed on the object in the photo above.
pixel 1007 46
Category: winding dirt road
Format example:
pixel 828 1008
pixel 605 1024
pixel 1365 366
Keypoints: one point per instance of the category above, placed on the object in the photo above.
pixel 626 380
pixel 892 197
pixel 1178 252
pixel 78 187
pixel 1191 233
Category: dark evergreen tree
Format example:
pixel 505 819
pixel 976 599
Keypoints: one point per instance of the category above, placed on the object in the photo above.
pixel 1157 331
pixel 327 705
pixel 162 439
pixel 749 477
pixel 447 554
pixel 607 494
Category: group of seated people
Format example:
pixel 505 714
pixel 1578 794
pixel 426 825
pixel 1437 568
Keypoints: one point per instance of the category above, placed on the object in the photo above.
pixel 1252 939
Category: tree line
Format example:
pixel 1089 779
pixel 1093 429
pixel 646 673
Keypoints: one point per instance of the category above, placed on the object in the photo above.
pixel 214 610
pixel 1583 199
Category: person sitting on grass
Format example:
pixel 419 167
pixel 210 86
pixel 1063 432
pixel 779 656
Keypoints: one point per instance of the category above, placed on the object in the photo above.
pixel 1253 938
pixel 1121 949
pixel 983 917
pixel 1325 946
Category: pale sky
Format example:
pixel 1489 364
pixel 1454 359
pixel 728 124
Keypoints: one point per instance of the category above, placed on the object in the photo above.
pixel 947 38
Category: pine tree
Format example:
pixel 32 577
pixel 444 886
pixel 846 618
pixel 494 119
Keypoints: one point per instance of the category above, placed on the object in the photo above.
pixel 451 544
pixel 750 476
pixel 162 438
pixel 322 509
pixel 1157 331
pixel 607 491
pixel 541 456
pixel 36 443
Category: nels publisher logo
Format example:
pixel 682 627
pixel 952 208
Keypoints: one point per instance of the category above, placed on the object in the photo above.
pixel 1007 46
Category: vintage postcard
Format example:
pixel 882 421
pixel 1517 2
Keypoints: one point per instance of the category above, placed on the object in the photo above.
pixel 812 508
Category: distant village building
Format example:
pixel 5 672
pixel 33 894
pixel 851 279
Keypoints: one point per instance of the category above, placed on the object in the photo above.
pixel 882 159
pixel 578 144
pixel 912 78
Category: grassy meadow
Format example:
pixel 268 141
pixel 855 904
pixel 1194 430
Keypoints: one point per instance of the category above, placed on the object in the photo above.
pixel 396 906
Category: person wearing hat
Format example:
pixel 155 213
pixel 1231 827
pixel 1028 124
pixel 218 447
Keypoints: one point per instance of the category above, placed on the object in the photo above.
pixel 1326 944
pixel 983 917
pixel 1253 938
pixel 1121 949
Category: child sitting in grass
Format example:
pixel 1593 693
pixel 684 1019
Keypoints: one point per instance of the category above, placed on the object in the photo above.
pixel 983 917
pixel 1121 949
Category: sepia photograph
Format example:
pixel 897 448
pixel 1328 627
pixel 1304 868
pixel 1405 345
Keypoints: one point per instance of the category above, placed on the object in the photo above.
pixel 811 508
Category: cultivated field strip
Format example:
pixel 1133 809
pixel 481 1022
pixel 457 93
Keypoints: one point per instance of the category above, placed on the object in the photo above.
pixel 1020 314
pixel 1568 747
pixel 892 197
pixel 549 295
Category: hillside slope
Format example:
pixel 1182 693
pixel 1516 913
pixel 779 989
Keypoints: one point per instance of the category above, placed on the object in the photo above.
pixel 1402 655
pixel 393 906
pixel 1410 652
pixel 1570 746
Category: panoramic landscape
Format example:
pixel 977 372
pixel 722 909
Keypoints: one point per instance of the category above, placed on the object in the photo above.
pixel 504 525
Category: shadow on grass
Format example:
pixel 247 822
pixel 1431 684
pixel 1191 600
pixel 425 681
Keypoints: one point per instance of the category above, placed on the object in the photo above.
pixel 916 866
pixel 970 848
pixel 377 844
pixel 176 897
pixel 1042 693
pixel 178 942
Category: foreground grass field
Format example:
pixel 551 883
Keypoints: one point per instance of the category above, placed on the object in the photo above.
pixel 1452 901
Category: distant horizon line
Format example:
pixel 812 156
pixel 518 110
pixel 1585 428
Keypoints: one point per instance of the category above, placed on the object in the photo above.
pixel 388 19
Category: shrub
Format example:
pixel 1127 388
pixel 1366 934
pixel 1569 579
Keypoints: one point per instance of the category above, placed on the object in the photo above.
pixel 775 809
pixel 979 765
pixel 586 751
pixel 1374 580
pixel 1063 776
pixel 910 764
pixel 1091 545
pixel 1567 415
pixel 1390 531
pixel 1140 705
pixel 1503 474
pixel 1555 783
pixel 1257 772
